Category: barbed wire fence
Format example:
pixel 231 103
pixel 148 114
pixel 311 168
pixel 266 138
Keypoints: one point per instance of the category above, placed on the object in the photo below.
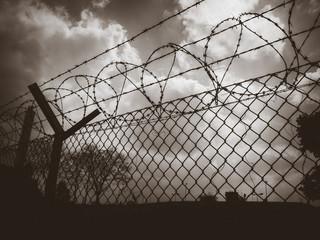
pixel 156 140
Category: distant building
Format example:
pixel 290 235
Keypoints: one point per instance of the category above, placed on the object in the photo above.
pixel 234 197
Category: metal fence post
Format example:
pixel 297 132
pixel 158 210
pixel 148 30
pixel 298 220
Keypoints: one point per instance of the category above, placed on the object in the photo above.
pixel 59 137
pixel 57 144
pixel 53 167
pixel 24 138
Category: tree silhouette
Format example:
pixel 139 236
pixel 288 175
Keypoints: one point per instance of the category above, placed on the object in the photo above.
pixel 311 184
pixel 309 134
pixel 62 192
pixel 97 169
pixel 38 156
pixel 207 198
pixel 73 170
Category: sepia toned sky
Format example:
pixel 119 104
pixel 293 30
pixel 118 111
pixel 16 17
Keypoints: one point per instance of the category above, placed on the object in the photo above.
pixel 42 38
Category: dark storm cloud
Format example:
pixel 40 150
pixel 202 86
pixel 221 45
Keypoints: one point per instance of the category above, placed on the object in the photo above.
pixel 303 16
pixel 20 55
pixel 134 15
pixel 25 51
pixel 137 14
pixel 73 7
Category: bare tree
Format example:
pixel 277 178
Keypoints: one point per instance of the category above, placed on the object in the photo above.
pixel 62 192
pixel 71 171
pixel 96 169
pixel 38 157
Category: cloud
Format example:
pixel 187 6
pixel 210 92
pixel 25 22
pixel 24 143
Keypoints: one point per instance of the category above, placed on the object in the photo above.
pixel 64 43
pixel 308 96
pixel 39 43
pixel 309 6
pixel 100 3
pixel 199 22
pixel 72 7
pixel 20 56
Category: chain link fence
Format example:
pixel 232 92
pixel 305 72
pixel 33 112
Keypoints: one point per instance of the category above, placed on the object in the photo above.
pixel 185 149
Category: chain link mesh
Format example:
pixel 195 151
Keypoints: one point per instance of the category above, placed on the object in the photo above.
pixel 178 154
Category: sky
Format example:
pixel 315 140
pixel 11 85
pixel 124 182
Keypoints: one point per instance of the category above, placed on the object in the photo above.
pixel 41 39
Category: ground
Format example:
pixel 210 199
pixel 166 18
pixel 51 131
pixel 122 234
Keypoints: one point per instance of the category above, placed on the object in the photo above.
pixel 188 220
